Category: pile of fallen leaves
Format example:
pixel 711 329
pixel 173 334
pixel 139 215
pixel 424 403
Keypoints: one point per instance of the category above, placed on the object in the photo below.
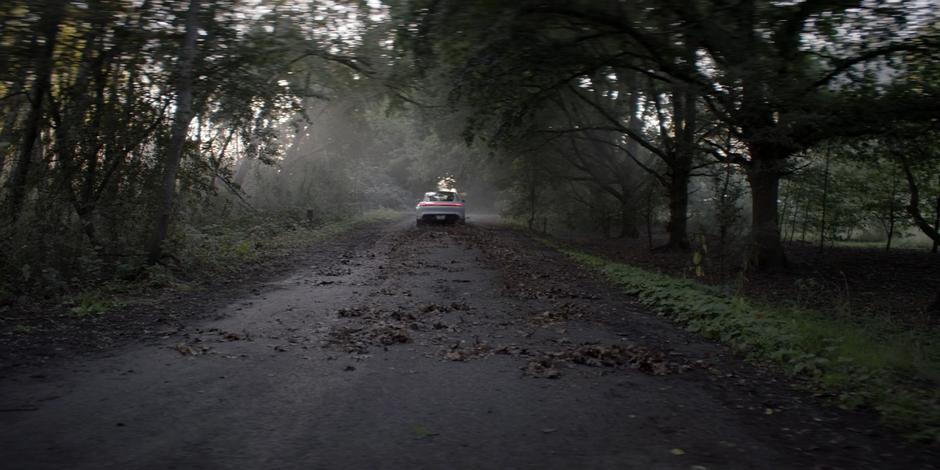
pixel 357 340
pixel 197 343
pixel 461 351
pixel 559 313
pixel 637 357
pixel 374 326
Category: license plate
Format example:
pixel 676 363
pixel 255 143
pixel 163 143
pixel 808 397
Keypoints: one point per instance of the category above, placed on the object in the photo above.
pixel 441 217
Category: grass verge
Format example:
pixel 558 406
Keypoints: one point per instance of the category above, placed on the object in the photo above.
pixel 869 364
pixel 229 248
pixel 215 260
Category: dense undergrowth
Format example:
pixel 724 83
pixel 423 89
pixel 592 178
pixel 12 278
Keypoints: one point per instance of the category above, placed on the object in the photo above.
pixel 218 249
pixel 863 363
pixel 197 253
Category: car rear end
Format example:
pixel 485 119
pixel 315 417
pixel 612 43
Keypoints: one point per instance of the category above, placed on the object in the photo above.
pixel 442 207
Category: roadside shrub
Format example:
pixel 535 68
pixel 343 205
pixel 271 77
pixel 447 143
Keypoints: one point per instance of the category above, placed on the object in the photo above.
pixel 873 364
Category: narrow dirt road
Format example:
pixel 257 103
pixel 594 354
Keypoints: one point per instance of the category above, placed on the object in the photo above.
pixel 440 347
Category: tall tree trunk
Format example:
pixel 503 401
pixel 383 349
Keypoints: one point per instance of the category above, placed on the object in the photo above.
pixel 678 212
pixel 181 120
pixel 87 201
pixel 784 213
pixel 53 12
pixel 685 113
pixel 892 210
pixel 914 207
pixel 605 220
pixel 628 214
pixel 725 222
pixel 793 220
pixel 9 124
pixel 530 223
pixel 936 222
pixel 531 182
pixel 890 229
pixel 628 225
pixel 763 174
pixel 649 217
pixel 825 202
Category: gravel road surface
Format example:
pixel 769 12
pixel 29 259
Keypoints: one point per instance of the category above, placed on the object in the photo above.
pixel 445 347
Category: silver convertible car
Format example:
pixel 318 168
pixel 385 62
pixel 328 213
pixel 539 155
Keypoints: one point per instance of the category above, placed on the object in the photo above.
pixel 441 206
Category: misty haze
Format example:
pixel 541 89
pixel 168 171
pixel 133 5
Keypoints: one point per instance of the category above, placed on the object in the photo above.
pixel 469 234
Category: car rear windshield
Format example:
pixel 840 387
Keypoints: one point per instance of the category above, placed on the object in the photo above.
pixel 440 196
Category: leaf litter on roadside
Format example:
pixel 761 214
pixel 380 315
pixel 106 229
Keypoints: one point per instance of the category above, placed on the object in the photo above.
pixel 596 355
pixel 560 313
pixel 543 368
pixel 190 350
pixel 358 340
pixel 366 326
pixel 461 351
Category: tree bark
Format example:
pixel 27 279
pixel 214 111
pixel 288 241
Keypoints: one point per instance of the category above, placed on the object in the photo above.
pixel 87 201
pixel 9 124
pixel 763 174
pixel 892 210
pixel 914 207
pixel 532 193
pixel 49 27
pixel 825 203
pixel 628 225
pixel 793 221
pixel 678 212
pixel 936 223
pixel 685 113
pixel 181 119
pixel 649 217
